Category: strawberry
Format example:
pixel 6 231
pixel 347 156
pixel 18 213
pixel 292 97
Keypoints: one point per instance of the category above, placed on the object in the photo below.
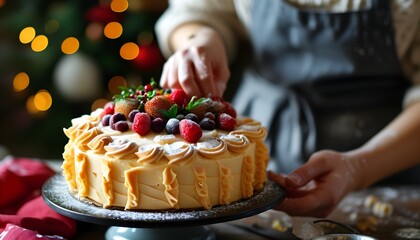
pixel 198 107
pixel 125 106
pixel 142 124
pixel 226 122
pixel 179 97
pixel 190 130
pixel 228 108
pixel 155 106
pixel 109 108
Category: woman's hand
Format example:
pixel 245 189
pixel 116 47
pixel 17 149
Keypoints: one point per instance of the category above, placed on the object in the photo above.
pixel 199 66
pixel 318 186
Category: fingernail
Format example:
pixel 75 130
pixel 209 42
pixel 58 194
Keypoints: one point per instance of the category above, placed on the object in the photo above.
pixel 294 178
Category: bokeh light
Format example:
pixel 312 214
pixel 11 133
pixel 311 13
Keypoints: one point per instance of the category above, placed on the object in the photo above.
pixel 42 100
pixel 94 31
pixel 129 51
pixel 113 30
pixel 27 35
pixel 70 45
pixel 114 83
pixel 30 105
pixel 99 103
pixel 2 2
pixel 119 5
pixel 145 38
pixel 20 82
pixel 52 26
pixel 39 43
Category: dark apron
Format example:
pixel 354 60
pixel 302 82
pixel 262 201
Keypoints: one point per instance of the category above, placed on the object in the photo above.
pixel 320 80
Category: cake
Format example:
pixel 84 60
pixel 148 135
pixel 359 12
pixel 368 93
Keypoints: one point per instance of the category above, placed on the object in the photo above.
pixel 141 153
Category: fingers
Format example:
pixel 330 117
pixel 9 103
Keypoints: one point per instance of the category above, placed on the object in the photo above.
pixel 204 74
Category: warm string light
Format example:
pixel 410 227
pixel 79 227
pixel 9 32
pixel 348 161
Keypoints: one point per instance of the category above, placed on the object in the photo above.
pixel 27 35
pixel 113 30
pixel 20 82
pixel 129 51
pixel 39 43
pixel 40 102
pixel 119 5
pixel 2 2
pixel 99 103
pixel 114 83
pixel 70 45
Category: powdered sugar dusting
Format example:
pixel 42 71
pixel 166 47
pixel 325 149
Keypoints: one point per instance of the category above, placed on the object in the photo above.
pixel 57 196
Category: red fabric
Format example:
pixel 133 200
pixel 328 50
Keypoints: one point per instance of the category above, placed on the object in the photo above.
pixel 21 203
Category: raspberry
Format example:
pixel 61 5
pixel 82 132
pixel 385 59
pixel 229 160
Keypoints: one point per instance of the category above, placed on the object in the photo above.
pixel 229 109
pixel 116 117
pixel 226 122
pixel 190 130
pixel 105 120
pixel 207 124
pixel 157 125
pixel 142 124
pixel 179 97
pixel 132 115
pixel 172 126
pixel 121 126
pixel 109 108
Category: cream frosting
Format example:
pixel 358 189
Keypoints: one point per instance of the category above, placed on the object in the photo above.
pixel 163 171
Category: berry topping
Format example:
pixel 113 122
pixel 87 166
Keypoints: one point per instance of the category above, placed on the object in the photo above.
pixel 192 117
pixel 148 88
pixel 155 106
pixel 190 130
pixel 179 97
pixel 125 106
pixel 108 109
pixel 132 115
pixel 172 126
pixel 180 117
pixel 157 125
pixel 116 117
pixel 198 107
pixel 105 120
pixel 229 109
pixel 226 122
pixel 121 126
pixel 210 115
pixel 142 124
pixel 207 124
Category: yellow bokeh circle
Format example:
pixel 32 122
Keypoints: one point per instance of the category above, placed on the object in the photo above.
pixel 119 5
pixel 20 82
pixel 129 51
pixel 27 35
pixel 39 43
pixel 70 45
pixel 42 100
pixel 113 30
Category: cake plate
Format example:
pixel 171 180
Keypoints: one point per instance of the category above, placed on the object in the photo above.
pixel 156 225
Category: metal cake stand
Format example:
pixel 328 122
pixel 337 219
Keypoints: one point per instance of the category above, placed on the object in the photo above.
pixel 155 225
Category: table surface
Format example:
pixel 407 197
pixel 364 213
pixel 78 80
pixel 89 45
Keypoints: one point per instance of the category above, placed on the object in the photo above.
pixel 405 201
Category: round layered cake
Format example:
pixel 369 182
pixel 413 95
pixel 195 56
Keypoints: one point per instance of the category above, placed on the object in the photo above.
pixel 171 157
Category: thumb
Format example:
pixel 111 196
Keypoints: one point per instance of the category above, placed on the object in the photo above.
pixel 306 173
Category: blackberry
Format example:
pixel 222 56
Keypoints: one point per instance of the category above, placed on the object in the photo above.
pixel 157 125
pixel 207 124
pixel 172 126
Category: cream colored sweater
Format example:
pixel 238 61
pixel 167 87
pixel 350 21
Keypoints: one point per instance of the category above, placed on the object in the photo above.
pixel 231 18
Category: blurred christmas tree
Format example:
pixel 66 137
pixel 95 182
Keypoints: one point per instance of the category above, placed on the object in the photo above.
pixel 61 59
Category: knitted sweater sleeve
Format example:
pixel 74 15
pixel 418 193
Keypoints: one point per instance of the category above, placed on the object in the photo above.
pixel 219 15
